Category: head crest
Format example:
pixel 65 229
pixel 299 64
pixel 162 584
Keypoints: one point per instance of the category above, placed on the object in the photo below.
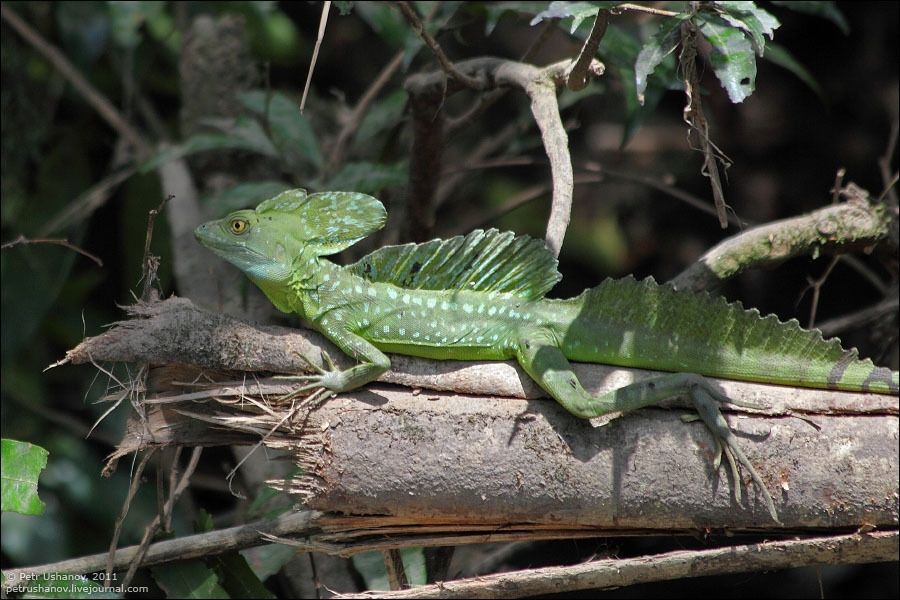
pixel 330 221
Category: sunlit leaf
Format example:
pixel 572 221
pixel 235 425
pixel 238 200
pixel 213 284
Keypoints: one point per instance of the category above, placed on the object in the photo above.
pixel 654 52
pixel 732 56
pixel 578 11
pixel 188 579
pixel 22 465
pixel 752 19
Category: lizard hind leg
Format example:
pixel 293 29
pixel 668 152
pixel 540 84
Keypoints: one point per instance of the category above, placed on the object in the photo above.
pixel 539 354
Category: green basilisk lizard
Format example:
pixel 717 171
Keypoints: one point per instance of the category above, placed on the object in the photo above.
pixel 481 297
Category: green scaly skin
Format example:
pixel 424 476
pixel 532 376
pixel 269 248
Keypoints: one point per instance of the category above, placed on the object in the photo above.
pixel 480 297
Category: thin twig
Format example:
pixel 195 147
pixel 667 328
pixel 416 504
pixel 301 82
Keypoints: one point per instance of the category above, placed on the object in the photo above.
pixel 416 23
pixel 515 201
pixel 577 76
pixel 126 505
pixel 838 185
pixel 393 564
pixel 677 193
pixel 92 96
pixel 348 131
pixel 487 100
pixel 646 9
pixel 56 241
pixel 884 162
pixel 87 202
pixel 139 556
pixel 815 284
pixel 148 266
pixel 859 318
pixel 676 565
pixel 323 21
pixel 697 123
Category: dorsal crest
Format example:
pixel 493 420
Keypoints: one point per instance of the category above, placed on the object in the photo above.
pixel 328 221
pixel 485 261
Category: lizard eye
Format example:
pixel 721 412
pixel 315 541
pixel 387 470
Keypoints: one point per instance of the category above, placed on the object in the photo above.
pixel 238 226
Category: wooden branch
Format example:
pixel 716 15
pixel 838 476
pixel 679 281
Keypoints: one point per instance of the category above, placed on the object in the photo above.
pixel 412 17
pixel 192 546
pixel 856 223
pixel 478 460
pixel 486 73
pixel 619 572
pixel 56 242
pixel 175 331
pixel 505 461
pixel 577 77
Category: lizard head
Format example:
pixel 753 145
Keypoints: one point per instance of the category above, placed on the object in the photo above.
pixel 265 242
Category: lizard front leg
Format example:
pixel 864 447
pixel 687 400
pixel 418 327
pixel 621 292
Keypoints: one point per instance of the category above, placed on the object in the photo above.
pixel 372 361
pixel 539 354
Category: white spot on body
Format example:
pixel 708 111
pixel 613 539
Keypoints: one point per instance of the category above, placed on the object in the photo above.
pixel 431 302
pixel 392 294
pixel 627 345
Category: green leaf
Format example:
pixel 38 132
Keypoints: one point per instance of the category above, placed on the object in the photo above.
pixel 22 464
pixel 371 566
pixel 244 195
pixel 578 11
pixel 345 7
pixel 383 115
pixel 291 131
pixel 494 10
pixel 387 22
pixel 752 19
pixel 654 52
pixel 243 134
pixel 255 100
pixel 414 565
pixel 127 18
pixel 732 57
pixel 188 579
pixel 368 178
pixel 826 10
pixel 237 578
pixel 780 56
pixel 268 560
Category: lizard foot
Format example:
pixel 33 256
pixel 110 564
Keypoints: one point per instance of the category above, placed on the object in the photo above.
pixel 707 400
pixel 323 378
